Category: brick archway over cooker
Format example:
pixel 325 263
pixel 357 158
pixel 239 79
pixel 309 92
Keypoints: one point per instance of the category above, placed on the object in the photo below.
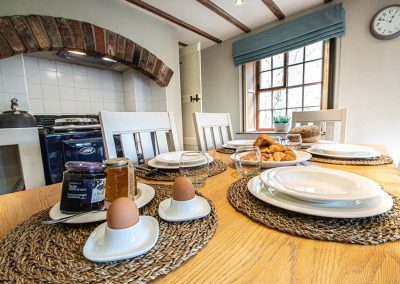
pixel 25 34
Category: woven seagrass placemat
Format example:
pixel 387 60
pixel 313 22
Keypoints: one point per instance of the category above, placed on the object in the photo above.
pixel 365 231
pixel 381 160
pixel 216 167
pixel 36 253
pixel 225 151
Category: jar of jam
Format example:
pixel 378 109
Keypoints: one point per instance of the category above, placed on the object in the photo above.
pixel 121 180
pixel 83 187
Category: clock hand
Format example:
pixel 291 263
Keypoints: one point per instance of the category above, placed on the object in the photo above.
pixel 393 16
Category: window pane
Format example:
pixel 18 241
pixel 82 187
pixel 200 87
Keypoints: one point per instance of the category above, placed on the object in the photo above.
pixel 296 56
pixel 265 119
pixel 313 72
pixel 265 101
pixel 265 80
pixel 279 112
pixel 279 99
pixel 314 51
pixel 291 110
pixel 295 76
pixel 265 64
pixel 295 97
pixel 312 95
pixel 278 60
pixel 277 78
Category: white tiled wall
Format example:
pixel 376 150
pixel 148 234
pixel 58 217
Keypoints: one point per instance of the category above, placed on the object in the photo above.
pixel 12 83
pixel 61 88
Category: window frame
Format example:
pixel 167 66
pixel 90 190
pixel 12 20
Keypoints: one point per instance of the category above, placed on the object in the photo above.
pixel 326 81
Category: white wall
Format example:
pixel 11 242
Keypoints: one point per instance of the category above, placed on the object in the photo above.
pixel 116 15
pixel 367 80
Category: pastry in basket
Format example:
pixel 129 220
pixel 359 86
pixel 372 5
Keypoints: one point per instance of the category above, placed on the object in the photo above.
pixel 308 133
pixel 264 140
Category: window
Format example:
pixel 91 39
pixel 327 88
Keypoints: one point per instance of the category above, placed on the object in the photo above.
pixel 293 81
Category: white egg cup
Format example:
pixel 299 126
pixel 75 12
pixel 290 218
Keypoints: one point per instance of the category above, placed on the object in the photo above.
pixel 179 211
pixel 106 244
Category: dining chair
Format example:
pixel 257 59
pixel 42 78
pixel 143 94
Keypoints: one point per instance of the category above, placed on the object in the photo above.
pixel 148 133
pixel 327 119
pixel 212 130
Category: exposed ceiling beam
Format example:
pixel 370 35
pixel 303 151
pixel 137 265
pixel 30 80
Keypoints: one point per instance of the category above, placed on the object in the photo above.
pixel 221 12
pixel 182 44
pixel 327 1
pixel 274 9
pixel 173 19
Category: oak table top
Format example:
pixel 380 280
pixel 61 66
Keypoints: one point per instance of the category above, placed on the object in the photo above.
pixel 245 251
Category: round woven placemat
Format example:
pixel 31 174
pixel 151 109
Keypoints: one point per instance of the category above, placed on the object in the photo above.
pixel 365 231
pixel 381 160
pixel 37 253
pixel 225 151
pixel 216 167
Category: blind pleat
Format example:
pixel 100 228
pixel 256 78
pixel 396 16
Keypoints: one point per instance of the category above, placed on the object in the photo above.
pixel 321 25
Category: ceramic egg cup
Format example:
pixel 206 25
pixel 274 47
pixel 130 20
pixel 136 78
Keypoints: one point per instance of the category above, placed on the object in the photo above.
pixel 178 211
pixel 106 244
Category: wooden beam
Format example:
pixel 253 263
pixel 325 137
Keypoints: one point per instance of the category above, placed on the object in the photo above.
pixel 274 9
pixel 221 12
pixel 173 19
pixel 182 44
pixel 327 1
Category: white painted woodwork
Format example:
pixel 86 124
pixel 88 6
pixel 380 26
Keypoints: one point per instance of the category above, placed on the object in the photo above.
pixel 212 130
pixel 27 140
pixel 325 118
pixel 190 71
pixel 126 124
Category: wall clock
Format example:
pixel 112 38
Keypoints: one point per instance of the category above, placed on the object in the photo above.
pixel 386 23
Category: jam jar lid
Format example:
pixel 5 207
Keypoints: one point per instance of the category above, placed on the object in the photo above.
pixel 80 166
pixel 116 162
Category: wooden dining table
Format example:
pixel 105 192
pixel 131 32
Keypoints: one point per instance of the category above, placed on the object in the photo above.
pixel 245 251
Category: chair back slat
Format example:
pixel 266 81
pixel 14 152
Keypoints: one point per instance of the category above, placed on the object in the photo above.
pixel 148 144
pixel 129 147
pixel 162 142
pixel 212 130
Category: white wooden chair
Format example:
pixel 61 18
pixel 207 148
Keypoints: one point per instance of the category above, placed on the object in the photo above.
pixel 212 129
pixel 156 132
pixel 324 118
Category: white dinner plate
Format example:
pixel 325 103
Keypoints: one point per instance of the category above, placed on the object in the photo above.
pixel 144 196
pixel 307 145
pixel 178 211
pixel 320 184
pixel 343 149
pixel 339 209
pixel 238 143
pixel 135 241
pixel 371 155
pixel 300 157
pixel 154 164
pixel 173 158
pixel 229 146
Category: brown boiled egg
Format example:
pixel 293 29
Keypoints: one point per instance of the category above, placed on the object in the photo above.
pixel 183 189
pixel 122 213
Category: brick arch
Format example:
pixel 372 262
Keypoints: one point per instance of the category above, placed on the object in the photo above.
pixel 25 34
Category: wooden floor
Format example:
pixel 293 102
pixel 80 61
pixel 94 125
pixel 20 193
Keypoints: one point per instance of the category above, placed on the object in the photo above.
pixel 244 251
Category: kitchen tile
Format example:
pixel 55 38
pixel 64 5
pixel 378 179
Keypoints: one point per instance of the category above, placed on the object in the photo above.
pixel 14 83
pixel 50 92
pixel 83 107
pixel 68 107
pixel 107 85
pixel 1 84
pixel 52 106
pixel 2 107
pixel 80 81
pixel 36 106
pixel 67 93
pixel 93 72
pixel 119 107
pixel 96 107
pixel 45 64
pixel 130 106
pixel 32 75
pixel 94 82
pixel 82 94
pixel 129 96
pixel 118 85
pixel 109 106
pixel 108 96
pixel 34 91
pixel 48 77
pixel 95 95
pixel 12 65
pixel 22 101
pixel 64 67
pixel 65 79
pixel 106 75
pixel 116 76
pixel 79 70
pixel 119 97
pixel 31 62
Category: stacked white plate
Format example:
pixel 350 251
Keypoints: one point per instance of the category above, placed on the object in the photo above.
pixel 233 144
pixel 321 192
pixel 343 151
pixel 171 160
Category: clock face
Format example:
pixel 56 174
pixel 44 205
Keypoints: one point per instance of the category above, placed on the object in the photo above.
pixel 386 23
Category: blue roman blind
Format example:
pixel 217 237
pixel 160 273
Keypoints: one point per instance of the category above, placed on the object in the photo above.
pixel 320 25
